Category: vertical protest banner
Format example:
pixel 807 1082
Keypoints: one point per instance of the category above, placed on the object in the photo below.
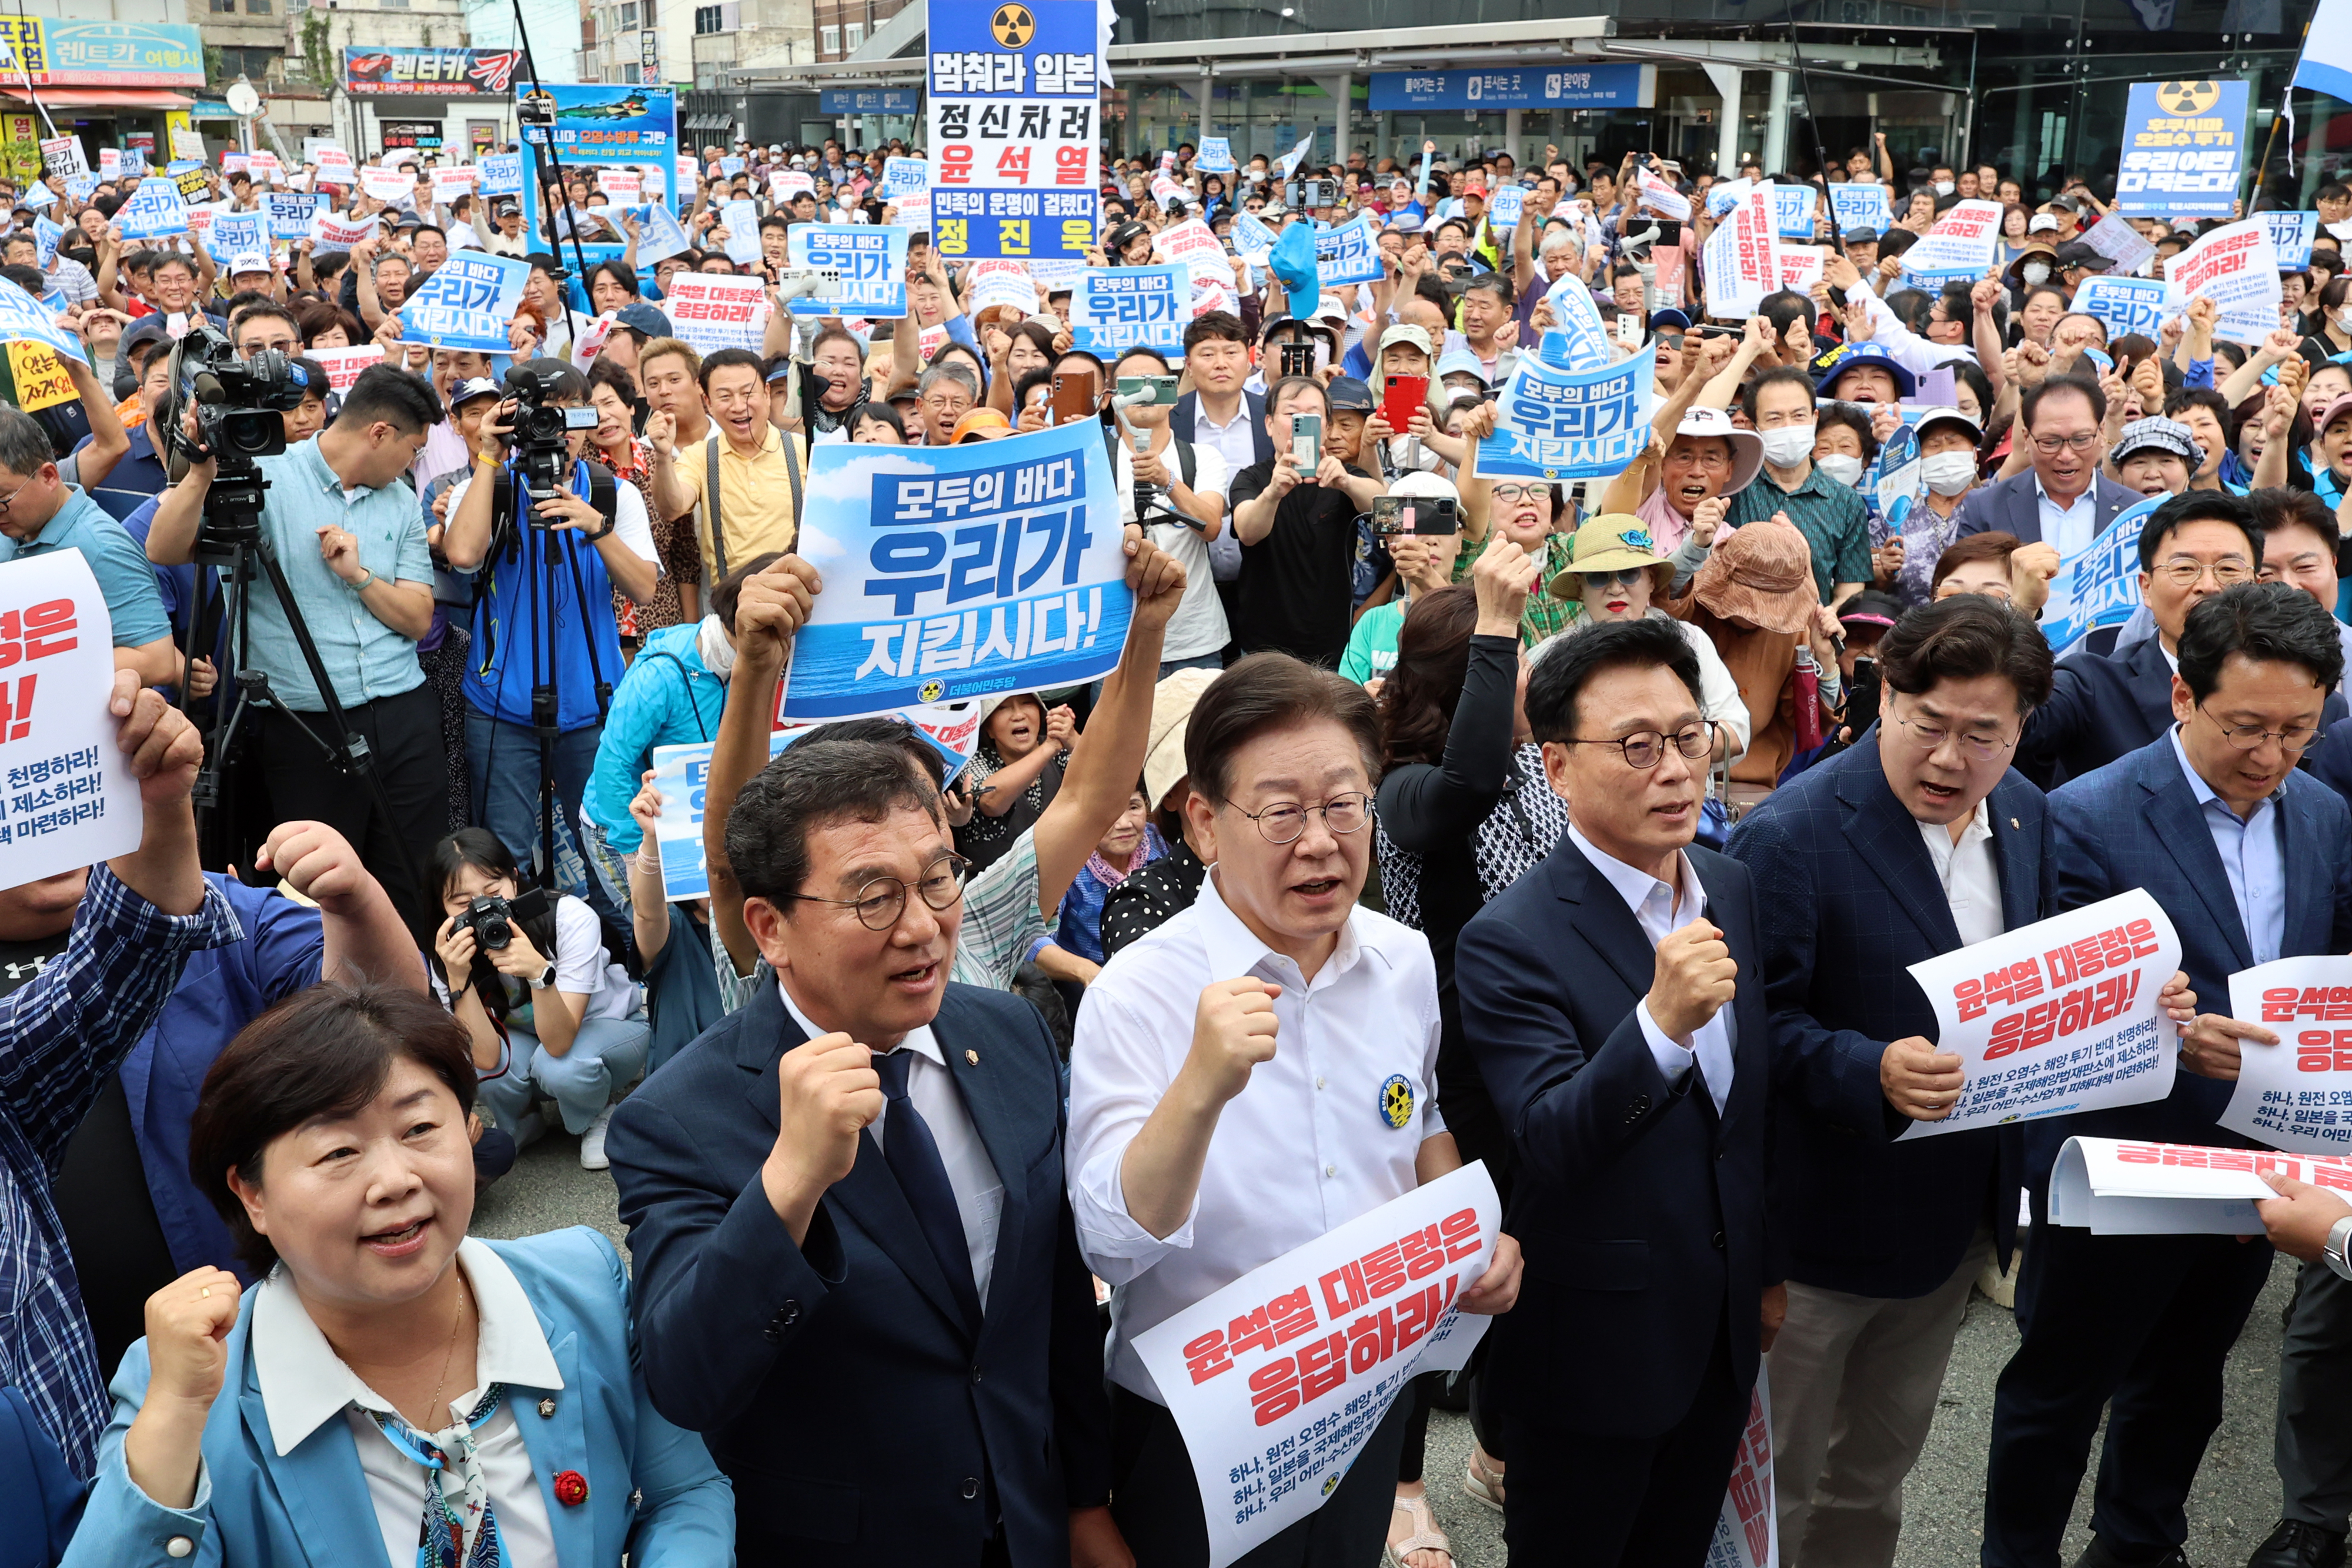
pixel 1556 423
pixel 1277 1380
pixel 153 211
pixel 2124 304
pixel 1856 205
pixel 2297 1094
pixel 343 365
pixel 1747 1531
pixel 2112 1186
pixel 1116 308
pixel 67 795
pixel 957 572
pixel 2183 150
pixel 872 263
pixel 2057 1017
pixel 741 221
pixel 1960 244
pixel 470 302
pixel 2099 585
pixel 597 127
pixel 2235 266
pixel 1350 254
pixel 714 310
pixel 1742 257
pixel 1013 115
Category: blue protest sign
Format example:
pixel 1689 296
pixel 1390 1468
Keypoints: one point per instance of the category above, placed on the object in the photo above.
pixel 604 126
pixel 79 186
pixel 1792 210
pixel 236 234
pixel 1288 163
pixel 1252 237
pixel 741 221
pixel 957 572
pixel 1895 484
pixel 659 234
pixel 21 315
pixel 153 211
pixel 1559 424
pixel 134 161
pixel 1348 254
pixel 1724 195
pixel 2100 586
pixel 289 212
pixel 730 167
pixel 1216 156
pixel 1855 205
pixel 872 261
pixel 2125 304
pixel 501 173
pixel 1120 307
pixel 47 236
pixel 1012 110
pixel 2291 237
pixel 2183 147
pixel 904 177
pixel 1504 209
pixel 1583 336
pixel 39 195
pixel 470 302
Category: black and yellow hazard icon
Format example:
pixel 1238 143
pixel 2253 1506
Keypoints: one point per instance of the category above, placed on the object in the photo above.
pixel 932 691
pixel 1396 1101
pixel 2172 96
pixel 1012 26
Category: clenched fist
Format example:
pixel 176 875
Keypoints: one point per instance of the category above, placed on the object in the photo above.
pixel 1695 977
pixel 1919 1081
pixel 826 1094
pixel 1233 1031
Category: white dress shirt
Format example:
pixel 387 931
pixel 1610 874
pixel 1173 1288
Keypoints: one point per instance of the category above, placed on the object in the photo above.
pixel 972 1175
pixel 1659 909
pixel 1972 881
pixel 2069 530
pixel 1305 1148
pixel 304 1384
pixel 2253 856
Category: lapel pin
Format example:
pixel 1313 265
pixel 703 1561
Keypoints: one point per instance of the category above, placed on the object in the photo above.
pixel 972 1058
pixel 570 1489
pixel 2015 823
pixel 546 1409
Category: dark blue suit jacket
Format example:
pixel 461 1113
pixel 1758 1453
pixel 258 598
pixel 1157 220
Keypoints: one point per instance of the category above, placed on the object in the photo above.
pixel 1639 1211
pixel 836 1382
pixel 2137 824
pixel 2014 507
pixel 1850 901
pixel 2330 761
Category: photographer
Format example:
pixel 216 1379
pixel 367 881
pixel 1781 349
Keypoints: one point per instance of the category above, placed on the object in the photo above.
pixel 542 595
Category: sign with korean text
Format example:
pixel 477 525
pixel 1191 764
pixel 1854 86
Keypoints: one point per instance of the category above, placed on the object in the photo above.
pixel 2057 1017
pixel 401 70
pixel 1582 338
pixel 741 221
pixel 153 211
pixel 1278 1379
pixel 2125 304
pixel 717 311
pixel 1013 113
pixel 501 173
pixel 61 51
pixel 1348 254
pixel 1857 206
pixel 872 261
pixel 2099 586
pixel 1549 86
pixel 194 185
pixel 41 378
pixel 343 365
pixel 2291 237
pixel 957 572
pixel 1792 210
pixel 67 795
pixel 1801 267
pixel 1191 245
pixel 904 177
pixel 600 127
pixel 1960 244
pixel 449 184
pixel 2114 1187
pixel 24 316
pixel 470 302
pixel 2183 150
pixel 866 101
pixel 1554 424
pixel 660 235
pixel 786 184
pixel 289 212
pixel 2129 249
pixel 1656 194
pixel 1290 160
pixel 1742 257
pixel 1508 203
pixel 1116 308
pixel 386 184
pixel 2236 266
pixel 63 155
pixel 1216 156
pixel 264 167
pixel 2297 1094
pixel 999 285
pixel 235 234
pixel 1747 1531
pixel 329 233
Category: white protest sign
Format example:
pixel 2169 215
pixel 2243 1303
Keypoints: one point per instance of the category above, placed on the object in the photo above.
pixel 233 234
pixel 1277 1380
pixel 386 184
pixel 343 365
pixel 1510 202
pixel 998 283
pixel 1801 266
pixel 690 171
pixel 717 311
pixel 1663 199
pixel 1961 241
pixel 329 233
pixel 265 166
pixel 2125 304
pixel 2236 266
pixel 2115 238
pixel 110 162
pixel 786 184
pixel 1216 156
pixel 1348 254
pixel 1290 160
pixel 2297 1094
pixel 1743 256
pixel 2057 1017
pixel 66 796
pixel 904 177
pixel 449 185
pixel 1191 245
pixel 2114 1187
pixel 742 221
pixel 187 143
pixel 63 155
pixel 1747 1531
pixel 621 185
pixel 334 166
pixel 659 234
pixel 1167 192
pixel 501 173
pixel 589 341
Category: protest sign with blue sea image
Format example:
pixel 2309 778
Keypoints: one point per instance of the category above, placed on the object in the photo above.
pixel 470 302
pixel 1557 423
pixel 2100 585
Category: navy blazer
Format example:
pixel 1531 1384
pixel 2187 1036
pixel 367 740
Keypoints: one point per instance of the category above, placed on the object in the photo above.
pixel 1640 1211
pixel 836 1381
pixel 1850 900
pixel 2330 761
pixel 2014 507
pixel 2137 823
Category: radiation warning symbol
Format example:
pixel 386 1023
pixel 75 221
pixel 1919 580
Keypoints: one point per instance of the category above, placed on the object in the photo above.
pixel 1012 26
pixel 2172 96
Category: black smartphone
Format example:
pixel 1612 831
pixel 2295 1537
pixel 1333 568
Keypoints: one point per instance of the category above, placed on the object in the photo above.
pixel 1861 695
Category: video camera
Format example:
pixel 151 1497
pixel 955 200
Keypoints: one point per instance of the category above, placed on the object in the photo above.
pixel 541 434
pixel 239 403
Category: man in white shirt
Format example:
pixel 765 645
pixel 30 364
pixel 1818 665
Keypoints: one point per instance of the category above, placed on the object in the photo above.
pixel 1190 479
pixel 1255 1073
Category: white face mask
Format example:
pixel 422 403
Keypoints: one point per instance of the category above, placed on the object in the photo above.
pixel 1789 445
pixel 1943 187
pixel 1845 470
pixel 2035 272
pixel 2344 319
pixel 718 653
pixel 1948 473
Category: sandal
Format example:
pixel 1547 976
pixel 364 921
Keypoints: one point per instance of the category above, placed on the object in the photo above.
pixel 1482 1484
pixel 1426 1536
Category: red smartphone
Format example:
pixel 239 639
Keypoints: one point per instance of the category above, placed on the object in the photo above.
pixel 1399 395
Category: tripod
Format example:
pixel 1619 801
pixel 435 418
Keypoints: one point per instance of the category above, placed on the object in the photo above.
pixel 545 161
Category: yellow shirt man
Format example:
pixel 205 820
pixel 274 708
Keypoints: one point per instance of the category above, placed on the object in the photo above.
pixel 756 514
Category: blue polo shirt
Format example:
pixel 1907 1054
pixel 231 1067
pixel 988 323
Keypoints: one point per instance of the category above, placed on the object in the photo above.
pixel 366 659
pixel 139 475
pixel 125 580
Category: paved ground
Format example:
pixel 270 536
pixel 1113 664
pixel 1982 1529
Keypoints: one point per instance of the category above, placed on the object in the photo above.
pixel 2234 1505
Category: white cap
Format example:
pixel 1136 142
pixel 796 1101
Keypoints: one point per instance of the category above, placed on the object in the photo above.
pixel 249 261
pixel 2042 223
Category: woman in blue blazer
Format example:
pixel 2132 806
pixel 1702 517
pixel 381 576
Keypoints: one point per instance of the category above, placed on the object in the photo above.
pixel 392 1391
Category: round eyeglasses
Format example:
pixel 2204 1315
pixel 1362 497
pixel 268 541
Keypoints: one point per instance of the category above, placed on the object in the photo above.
pixel 1285 820
pixel 879 903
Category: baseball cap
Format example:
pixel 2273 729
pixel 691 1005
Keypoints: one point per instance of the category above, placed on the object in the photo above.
pixel 1871 608
pixel 1859 236
pixel 246 261
pixel 1407 333
pixel 975 426
pixel 2328 416
pixel 640 316
pixel 1461 362
pixel 1933 417
pixel 2075 252
pixel 1348 395
pixel 1677 320
pixel 2042 223
pixel 466 391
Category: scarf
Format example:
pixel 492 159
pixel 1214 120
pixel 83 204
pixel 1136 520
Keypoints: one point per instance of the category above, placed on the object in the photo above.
pixel 718 653
pixel 450 1455
pixel 1109 875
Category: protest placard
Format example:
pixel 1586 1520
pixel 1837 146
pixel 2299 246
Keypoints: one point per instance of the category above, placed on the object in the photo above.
pixel 1557 423
pixel 1013 130
pixel 730 166
pixel 783 184
pixel 2115 239
pixel 265 168
pixel 2125 304
pixel 39 195
pixel 47 237
pixel 1586 344
pixel 1747 1531
pixel 872 262
pixel 994 285
pixel 1961 242
pixel 904 177
pixel 2235 266
pixel 501 173
pixel 1253 239
pixel 470 302
pixel 110 162
pixel 1792 210
pixel 63 155
pixel 2291 237
pixel 659 234
pixel 621 185
pixel 2112 1186
pixel 1120 308
pixel 742 221
pixel 193 187
pixel 1191 245
pixel 383 184
pixel 1665 200
pixel 1743 257
pixel 2183 148
pixel 1801 266
pixel 187 142
pixel 2297 1094
pixel 79 187
pixel 449 184
pixel 343 365
pixel 1726 194
pixel 1216 156
pixel 67 795
pixel 153 211
pixel 329 233
pixel 1277 1380
pixel 289 212
pixel 41 379
pixel 1859 205
pixel 1288 163
pixel 1509 203
pixel 2057 1017
pixel 334 167
pixel 1167 192
pixel 1896 482
pixel 1348 254
pixel 957 572
pixel 233 235
pixel 690 172
pixel 24 316
pixel 717 311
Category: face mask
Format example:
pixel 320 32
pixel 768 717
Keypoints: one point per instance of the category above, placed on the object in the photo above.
pixel 1943 187
pixel 1845 470
pixel 718 653
pixel 2344 321
pixel 1947 473
pixel 1788 446
pixel 2035 272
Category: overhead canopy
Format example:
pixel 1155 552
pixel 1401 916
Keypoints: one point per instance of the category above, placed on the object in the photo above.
pixel 151 97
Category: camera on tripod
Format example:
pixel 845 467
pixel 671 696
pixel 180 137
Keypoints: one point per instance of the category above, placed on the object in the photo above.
pixel 240 403
pixel 541 434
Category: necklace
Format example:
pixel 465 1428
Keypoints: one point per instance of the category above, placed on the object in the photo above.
pixel 434 1407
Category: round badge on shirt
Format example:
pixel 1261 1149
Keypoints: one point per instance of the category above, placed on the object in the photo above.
pixel 1396 1101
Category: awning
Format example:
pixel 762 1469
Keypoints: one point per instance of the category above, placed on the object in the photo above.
pixel 149 97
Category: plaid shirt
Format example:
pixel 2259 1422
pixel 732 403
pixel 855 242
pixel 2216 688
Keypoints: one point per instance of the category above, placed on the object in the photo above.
pixel 1544 616
pixel 59 1037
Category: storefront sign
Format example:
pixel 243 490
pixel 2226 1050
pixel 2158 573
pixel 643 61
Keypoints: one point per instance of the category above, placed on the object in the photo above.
pixel 867 100
pixel 56 51
pixel 436 72
pixel 412 133
pixel 1571 86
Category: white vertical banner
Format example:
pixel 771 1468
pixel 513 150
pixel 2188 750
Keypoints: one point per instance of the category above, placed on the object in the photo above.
pixel 67 795
pixel 1747 1531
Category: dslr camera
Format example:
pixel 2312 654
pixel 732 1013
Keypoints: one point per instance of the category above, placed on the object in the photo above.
pixel 492 920
pixel 541 434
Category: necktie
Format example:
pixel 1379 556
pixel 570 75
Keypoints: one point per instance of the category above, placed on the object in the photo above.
pixel 449 1457
pixel 913 1157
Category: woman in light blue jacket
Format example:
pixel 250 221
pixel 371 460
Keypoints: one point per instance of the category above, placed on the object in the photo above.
pixel 392 1392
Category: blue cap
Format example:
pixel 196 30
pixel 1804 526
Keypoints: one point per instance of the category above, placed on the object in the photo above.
pixel 1849 356
pixel 641 317
pixel 1677 320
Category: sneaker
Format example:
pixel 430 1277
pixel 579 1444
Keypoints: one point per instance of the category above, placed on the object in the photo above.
pixel 2295 1545
pixel 592 1142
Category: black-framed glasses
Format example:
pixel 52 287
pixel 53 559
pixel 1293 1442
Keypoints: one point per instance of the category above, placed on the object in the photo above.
pixel 879 903
pixel 1645 748
pixel 1929 737
pixel 1285 820
pixel 2247 737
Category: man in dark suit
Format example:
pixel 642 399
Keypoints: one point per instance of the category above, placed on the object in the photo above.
pixel 856 1274
pixel 2062 500
pixel 2209 819
pixel 1919 840
pixel 1614 1000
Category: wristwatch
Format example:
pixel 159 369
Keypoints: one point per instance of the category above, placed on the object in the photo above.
pixel 545 980
pixel 2336 1253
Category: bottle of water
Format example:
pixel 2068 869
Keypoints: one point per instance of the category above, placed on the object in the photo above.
pixel 1805 687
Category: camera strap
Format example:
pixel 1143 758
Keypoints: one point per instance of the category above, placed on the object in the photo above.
pixel 711 499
